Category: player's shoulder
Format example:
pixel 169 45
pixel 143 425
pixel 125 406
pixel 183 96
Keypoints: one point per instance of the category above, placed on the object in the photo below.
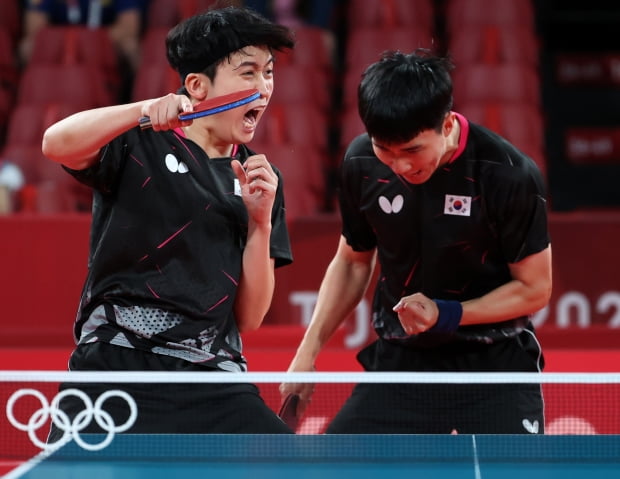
pixel 500 163
pixel 360 146
pixel 497 153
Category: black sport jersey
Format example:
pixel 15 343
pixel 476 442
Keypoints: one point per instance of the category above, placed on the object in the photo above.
pixel 168 232
pixel 452 237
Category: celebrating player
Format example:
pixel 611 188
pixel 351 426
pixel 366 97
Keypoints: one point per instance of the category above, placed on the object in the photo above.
pixel 187 226
pixel 456 218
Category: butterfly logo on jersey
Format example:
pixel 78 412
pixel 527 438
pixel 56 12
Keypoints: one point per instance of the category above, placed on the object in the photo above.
pixel 531 427
pixel 174 165
pixel 393 206
pixel 457 205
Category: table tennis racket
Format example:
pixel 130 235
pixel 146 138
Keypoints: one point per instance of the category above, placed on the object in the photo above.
pixel 288 411
pixel 212 106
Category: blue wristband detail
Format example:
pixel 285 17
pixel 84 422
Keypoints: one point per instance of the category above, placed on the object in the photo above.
pixel 450 313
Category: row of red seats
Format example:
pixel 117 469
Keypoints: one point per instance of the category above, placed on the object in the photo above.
pixel 295 133
pixel 64 77
pixel 497 79
pixel 492 42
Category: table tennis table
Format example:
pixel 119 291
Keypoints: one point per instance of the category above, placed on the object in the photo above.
pixel 333 457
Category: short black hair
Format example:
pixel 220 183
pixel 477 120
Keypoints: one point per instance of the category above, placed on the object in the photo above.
pixel 206 39
pixel 402 95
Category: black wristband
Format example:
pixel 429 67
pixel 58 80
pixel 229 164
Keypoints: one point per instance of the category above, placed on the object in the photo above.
pixel 450 313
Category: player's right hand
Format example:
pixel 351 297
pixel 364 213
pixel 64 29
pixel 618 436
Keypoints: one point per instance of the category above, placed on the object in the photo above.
pixel 304 390
pixel 164 112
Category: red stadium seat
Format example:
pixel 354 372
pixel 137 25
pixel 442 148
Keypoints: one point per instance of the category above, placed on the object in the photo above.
pixel 302 176
pixel 390 13
pixel 494 44
pixel 496 83
pixel 302 124
pixel 162 14
pixel 79 85
pixel 28 122
pixel 351 126
pixel 68 44
pixel 155 77
pixel 153 47
pixel 314 48
pixel 48 188
pixel 27 158
pixel 522 125
pixel 153 81
pixel 488 12
pixel 25 127
pixel 57 191
pixel 76 44
pixel 52 197
pixel 365 46
pixel 295 85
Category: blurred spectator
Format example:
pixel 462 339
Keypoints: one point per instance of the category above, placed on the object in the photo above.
pixel 11 181
pixel 123 18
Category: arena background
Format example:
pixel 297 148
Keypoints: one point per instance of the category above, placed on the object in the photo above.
pixel 43 244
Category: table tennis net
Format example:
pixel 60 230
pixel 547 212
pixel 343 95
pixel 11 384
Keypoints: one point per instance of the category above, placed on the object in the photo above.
pixel 575 403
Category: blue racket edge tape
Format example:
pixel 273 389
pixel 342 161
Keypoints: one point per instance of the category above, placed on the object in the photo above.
pixel 145 122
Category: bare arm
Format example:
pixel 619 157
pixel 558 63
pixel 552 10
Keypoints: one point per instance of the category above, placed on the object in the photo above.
pixel 527 292
pixel 257 281
pixel 343 286
pixel 76 140
pixel 259 185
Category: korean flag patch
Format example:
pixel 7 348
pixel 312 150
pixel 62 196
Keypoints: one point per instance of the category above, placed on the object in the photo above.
pixel 457 205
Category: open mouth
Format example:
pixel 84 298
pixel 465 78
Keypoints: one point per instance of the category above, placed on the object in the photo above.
pixel 251 116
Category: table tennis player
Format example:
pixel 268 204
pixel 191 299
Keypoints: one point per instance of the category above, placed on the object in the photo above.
pixel 456 219
pixel 187 227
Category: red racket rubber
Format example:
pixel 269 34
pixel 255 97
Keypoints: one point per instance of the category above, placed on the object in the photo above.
pixel 212 106
pixel 288 411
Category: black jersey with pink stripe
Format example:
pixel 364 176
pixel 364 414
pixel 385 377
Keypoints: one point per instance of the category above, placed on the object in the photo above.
pixel 168 233
pixel 452 237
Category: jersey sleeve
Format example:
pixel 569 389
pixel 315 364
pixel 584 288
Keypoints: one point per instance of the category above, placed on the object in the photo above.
pixel 103 175
pixel 519 207
pixel 355 227
pixel 280 247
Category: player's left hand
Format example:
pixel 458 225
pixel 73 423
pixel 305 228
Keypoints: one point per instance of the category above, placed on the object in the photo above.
pixel 416 313
pixel 258 184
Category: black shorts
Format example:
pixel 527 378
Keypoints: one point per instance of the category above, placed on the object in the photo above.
pixel 446 408
pixel 195 408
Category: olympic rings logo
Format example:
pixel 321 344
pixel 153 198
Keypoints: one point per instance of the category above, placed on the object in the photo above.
pixel 72 429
